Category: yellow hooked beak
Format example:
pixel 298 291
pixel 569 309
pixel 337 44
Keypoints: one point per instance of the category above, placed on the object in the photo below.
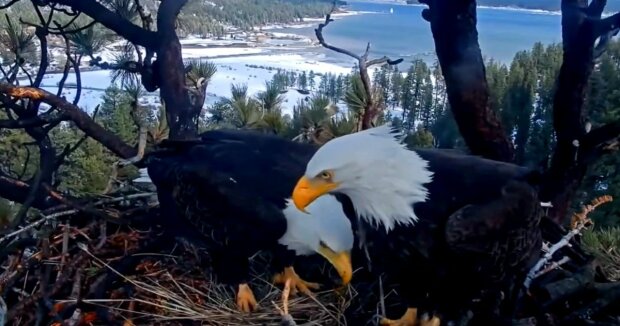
pixel 341 262
pixel 307 190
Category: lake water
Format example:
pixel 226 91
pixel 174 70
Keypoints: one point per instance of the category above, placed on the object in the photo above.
pixel 405 34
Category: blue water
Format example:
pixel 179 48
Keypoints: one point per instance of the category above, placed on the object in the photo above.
pixel 405 34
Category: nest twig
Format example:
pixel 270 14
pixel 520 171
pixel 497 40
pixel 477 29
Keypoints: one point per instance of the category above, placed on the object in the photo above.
pixel 579 223
pixel 105 276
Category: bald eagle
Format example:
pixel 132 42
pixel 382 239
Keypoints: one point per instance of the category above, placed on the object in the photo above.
pixel 233 187
pixel 450 228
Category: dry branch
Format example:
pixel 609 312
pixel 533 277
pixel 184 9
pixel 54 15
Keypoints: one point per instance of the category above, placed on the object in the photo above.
pixel 113 21
pixel 17 191
pixel 579 223
pixel 82 120
pixel 156 287
pixel 7 5
pixel 371 109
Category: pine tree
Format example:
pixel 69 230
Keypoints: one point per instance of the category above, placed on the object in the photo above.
pixel 302 82
pixel 519 101
pixel 396 86
pixel 115 116
pixel 311 80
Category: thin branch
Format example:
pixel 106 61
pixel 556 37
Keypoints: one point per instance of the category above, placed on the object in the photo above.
pixel 35 190
pixel 6 76
pixel 382 61
pixel 26 163
pixel 602 140
pixel 78 78
pixel 17 191
pixel 13 73
pixel 167 16
pixel 69 12
pixel 37 223
pixel 319 35
pixel 579 223
pixel 604 40
pixel 69 23
pixel 82 120
pixel 596 8
pixel 5 6
pixel 27 74
pixel 72 31
pixel 605 25
pixel 37 121
pixel 71 149
pixel 113 21
pixel 370 110
pixel 44 62
pixel 130 66
pixel 66 70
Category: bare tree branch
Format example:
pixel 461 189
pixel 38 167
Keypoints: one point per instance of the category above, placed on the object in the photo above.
pixel 603 140
pixel 596 8
pixel 68 150
pixel 44 62
pixel 44 174
pixel 319 35
pixel 113 21
pixel 167 15
pixel 384 60
pixel 371 109
pixel 67 68
pixel 17 191
pixel 130 66
pixel 76 30
pixel 9 4
pixel 38 121
pixel 82 120
pixel 581 26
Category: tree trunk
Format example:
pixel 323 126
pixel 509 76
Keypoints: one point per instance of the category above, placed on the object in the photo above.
pixel 182 117
pixel 579 33
pixel 453 24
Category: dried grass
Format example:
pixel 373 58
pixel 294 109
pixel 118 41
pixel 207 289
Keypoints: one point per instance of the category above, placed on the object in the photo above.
pixel 163 286
pixel 164 298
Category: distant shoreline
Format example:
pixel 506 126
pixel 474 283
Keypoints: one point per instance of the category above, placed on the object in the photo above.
pixel 533 11
pixel 310 21
pixel 513 8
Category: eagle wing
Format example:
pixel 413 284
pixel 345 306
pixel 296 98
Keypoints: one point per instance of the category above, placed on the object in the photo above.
pixel 502 233
pixel 246 176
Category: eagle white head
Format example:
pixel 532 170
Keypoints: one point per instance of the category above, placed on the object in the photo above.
pixel 327 233
pixel 374 169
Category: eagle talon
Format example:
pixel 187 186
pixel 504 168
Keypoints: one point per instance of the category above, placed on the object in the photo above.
pixel 246 302
pixel 297 284
pixel 410 318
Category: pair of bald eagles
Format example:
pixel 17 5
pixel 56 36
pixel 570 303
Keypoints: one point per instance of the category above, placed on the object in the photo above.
pixel 436 221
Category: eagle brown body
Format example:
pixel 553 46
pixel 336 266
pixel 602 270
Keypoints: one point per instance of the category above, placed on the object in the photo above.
pixel 472 227
pixel 477 231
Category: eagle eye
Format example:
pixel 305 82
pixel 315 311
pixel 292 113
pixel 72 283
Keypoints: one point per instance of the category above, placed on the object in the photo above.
pixel 325 175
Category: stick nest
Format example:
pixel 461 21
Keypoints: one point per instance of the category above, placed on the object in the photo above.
pixel 81 270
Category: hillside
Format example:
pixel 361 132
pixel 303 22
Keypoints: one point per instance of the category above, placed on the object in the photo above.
pixel 209 17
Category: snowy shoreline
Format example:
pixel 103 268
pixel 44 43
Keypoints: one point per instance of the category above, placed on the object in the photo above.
pixel 250 58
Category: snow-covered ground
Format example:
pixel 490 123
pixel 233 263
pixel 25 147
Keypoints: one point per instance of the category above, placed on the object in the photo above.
pixel 231 70
pixel 239 60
